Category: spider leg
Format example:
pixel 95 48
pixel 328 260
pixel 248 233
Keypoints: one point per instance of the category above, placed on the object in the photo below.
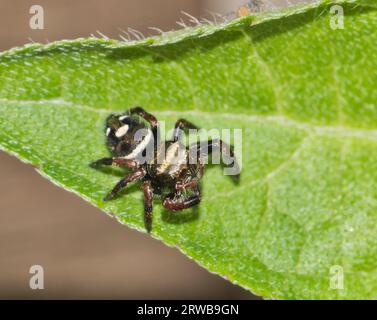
pixel 151 119
pixel 192 184
pixel 145 115
pixel 204 148
pixel 148 205
pixel 136 175
pixel 182 125
pixel 173 203
pixel 121 162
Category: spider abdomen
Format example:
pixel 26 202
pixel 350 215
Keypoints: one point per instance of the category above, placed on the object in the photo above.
pixel 171 159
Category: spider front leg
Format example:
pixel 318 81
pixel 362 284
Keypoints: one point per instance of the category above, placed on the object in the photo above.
pixel 177 203
pixel 182 125
pixel 121 162
pixel 151 119
pixel 148 205
pixel 136 175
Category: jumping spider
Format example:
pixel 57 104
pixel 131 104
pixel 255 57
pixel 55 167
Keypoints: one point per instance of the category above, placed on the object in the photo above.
pixel 177 182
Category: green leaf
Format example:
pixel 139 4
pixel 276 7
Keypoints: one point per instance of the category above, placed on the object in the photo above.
pixel 305 97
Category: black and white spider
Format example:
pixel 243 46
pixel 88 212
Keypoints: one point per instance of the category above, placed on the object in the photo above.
pixel 171 171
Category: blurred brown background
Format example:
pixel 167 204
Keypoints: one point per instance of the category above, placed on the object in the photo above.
pixel 85 254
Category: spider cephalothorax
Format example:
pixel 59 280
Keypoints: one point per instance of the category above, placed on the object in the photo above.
pixel 166 168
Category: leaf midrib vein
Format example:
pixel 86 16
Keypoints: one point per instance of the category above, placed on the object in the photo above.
pixel 319 130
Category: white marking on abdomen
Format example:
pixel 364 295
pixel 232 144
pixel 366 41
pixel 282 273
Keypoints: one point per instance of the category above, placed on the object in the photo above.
pixel 175 156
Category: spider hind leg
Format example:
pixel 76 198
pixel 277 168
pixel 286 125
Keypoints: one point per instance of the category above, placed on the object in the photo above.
pixel 203 149
pixel 182 125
